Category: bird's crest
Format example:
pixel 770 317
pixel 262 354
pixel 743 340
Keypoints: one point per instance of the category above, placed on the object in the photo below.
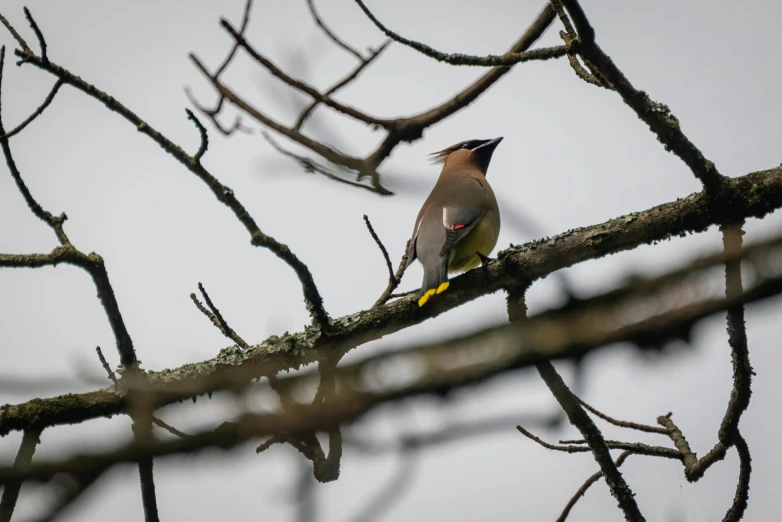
pixel 438 158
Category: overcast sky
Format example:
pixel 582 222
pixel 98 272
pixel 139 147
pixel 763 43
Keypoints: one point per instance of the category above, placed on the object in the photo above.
pixel 573 155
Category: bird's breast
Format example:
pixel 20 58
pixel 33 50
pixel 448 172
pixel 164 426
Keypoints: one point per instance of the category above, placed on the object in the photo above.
pixel 481 239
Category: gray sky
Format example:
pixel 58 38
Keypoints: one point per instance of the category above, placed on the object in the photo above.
pixel 573 155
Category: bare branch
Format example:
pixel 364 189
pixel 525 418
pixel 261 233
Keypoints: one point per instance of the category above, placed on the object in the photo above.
pixel 49 99
pixel 299 85
pixel 340 84
pixel 585 486
pixel 93 264
pixel 330 34
pixel 109 371
pixel 656 115
pixel 755 194
pixel 38 33
pixel 14 33
pixel 204 136
pixel 623 424
pixel 310 165
pixel 737 338
pixel 225 195
pixel 616 483
pixel 393 282
pixel 217 319
pixel 24 457
pixel 736 511
pixel 492 60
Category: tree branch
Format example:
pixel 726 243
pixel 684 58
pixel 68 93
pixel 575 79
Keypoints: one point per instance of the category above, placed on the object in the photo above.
pixel 492 60
pixel 751 195
pixel 24 457
pixel 312 298
pixel 656 115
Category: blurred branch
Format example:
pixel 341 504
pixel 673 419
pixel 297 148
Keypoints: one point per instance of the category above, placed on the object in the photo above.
pixel 310 165
pixel 398 130
pixel 312 298
pixel 331 35
pixel 340 84
pixel 482 355
pixel 24 457
pixel 392 491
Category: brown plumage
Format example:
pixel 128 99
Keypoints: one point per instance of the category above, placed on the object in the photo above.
pixel 459 222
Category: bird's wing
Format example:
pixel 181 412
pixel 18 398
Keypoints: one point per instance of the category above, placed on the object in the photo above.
pixel 461 215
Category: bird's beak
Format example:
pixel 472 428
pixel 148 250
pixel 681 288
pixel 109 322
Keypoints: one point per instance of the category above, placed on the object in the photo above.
pixel 491 144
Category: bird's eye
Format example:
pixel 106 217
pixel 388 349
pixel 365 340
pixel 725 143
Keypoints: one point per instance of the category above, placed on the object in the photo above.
pixel 466 146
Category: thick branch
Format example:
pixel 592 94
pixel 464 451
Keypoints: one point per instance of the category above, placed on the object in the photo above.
pixel 751 195
pixel 483 355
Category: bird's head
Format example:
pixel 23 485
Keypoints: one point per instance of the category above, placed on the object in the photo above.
pixel 475 153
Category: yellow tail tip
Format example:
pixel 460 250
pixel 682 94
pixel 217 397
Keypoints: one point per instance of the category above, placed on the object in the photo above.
pixel 442 288
pixel 432 291
pixel 424 298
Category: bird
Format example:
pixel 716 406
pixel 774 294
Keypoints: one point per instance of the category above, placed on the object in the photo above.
pixel 458 224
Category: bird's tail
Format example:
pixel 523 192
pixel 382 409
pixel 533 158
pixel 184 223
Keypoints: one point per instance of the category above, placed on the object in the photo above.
pixel 435 280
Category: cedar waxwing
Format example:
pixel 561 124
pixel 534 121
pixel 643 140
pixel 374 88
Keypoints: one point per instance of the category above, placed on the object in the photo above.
pixel 459 223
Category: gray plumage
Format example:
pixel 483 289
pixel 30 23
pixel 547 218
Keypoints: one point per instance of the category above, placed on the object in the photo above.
pixel 460 221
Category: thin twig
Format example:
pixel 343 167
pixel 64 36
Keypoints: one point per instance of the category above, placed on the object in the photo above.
pixel 38 33
pixel 242 28
pixel 505 60
pixel 19 128
pixel 204 136
pixel 14 33
pixel 225 195
pixel 585 486
pixel 217 319
pixel 298 84
pixel 392 280
pixel 310 165
pixel 93 264
pixel 636 447
pixel 656 115
pixel 109 371
pixel 330 34
pixel 340 84
pixel 623 424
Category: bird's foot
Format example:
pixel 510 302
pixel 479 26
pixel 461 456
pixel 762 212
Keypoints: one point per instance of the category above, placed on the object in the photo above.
pixel 485 260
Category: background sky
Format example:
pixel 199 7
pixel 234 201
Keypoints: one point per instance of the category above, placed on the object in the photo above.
pixel 573 155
